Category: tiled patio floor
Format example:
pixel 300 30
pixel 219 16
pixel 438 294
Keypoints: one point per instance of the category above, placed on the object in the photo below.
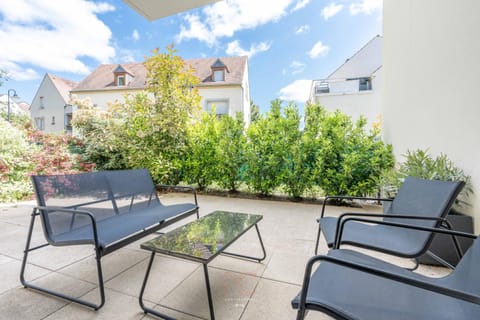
pixel 241 289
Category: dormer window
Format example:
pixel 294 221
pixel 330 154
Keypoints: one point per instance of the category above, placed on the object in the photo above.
pixel 122 76
pixel 218 75
pixel 218 71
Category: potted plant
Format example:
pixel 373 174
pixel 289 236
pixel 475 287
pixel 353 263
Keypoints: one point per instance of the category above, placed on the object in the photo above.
pixel 421 164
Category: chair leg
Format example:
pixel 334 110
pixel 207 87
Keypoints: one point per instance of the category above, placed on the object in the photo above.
pixel 318 237
pixel 55 293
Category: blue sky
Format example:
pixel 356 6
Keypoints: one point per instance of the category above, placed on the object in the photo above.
pixel 289 42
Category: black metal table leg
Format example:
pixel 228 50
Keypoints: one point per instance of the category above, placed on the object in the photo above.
pixel 140 298
pixel 209 291
pixel 259 259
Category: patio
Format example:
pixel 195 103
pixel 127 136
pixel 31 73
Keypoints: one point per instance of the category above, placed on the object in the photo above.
pixel 241 289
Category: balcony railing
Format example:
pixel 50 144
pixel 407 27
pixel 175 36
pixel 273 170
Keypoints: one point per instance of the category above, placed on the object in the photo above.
pixel 341 86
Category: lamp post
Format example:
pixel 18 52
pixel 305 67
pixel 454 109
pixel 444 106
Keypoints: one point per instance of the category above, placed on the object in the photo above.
pixel 8 106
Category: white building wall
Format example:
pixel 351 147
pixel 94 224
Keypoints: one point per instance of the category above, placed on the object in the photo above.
pixel 431 62
pixel 246 96
pixel 103 98
pixel 231 94
pixel 346 97
pixel 53 110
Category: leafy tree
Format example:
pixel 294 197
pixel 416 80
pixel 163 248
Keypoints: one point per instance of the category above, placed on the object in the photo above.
pixel 15 164
pixel 352 160
pixel 149 129
pixel 157 128
pixel 103 136
pixel 265 151
pixel 254 111
pixel 296 173
pixel 201 159
pixel 231 151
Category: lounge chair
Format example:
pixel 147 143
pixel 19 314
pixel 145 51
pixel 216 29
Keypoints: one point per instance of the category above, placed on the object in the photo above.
pixel 350 285
pixel 419 202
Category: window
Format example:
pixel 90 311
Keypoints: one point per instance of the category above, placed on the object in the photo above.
pixel 53 120
pixel 120 80
pixel 40 123
pixel 221 107
pixel 365 84
pixel 42 106
pixel 68 122
pixel 218 75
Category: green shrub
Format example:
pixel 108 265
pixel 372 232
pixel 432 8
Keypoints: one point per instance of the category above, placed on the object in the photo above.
pixel 352 160
pixel 420 164
pixel 265 151
pixel 201 157
pixel 231 152
pixel 15 164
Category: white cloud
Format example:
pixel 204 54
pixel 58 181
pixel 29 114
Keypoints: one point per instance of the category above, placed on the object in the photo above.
pixel 298 91
pixel 318 50
pixel 331 10
pixel 53 35
pixel 300 4
pixel 18 73
pixel 297 67
pixel 234 49
pixel 366 7
pixel 224 18
pixel 135 35
pixel 302 29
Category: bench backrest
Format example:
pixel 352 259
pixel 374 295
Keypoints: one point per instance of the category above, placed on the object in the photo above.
pixel 103 193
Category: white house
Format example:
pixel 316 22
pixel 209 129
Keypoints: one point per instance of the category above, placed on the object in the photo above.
pixel 223 83
pixel 16 107
pixel 50 109
pixel 356 86
pixel 431 81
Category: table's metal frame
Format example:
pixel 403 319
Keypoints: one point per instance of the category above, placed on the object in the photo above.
pixel 205 270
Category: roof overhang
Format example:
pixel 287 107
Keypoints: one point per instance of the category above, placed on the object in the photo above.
pixel 156 9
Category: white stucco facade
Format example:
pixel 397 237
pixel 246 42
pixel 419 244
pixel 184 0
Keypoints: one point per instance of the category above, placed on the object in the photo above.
pixel 431 91
pixel 233 96
pixel 345 96
pixel 102 99
pixel 49 107
pixel 355 87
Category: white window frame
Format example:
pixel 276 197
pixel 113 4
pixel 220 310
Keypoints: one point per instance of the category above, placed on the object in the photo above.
pixel 218 75
pixel 40 123
pixel 209 103
pixel 124 80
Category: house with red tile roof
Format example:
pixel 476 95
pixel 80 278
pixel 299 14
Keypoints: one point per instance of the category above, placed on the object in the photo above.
pixel 223 83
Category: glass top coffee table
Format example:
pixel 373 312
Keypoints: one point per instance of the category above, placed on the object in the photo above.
pixel 201 241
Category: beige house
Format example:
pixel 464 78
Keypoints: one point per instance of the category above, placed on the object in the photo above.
pixel 431 68
pixel 50 109
pixel 355 87
pixel 223 83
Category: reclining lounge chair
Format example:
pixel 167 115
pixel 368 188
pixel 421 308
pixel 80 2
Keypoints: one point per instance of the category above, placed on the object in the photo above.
pixel 418 202
pixel 350 285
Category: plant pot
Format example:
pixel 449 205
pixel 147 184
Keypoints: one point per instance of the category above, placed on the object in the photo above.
pixel 442 245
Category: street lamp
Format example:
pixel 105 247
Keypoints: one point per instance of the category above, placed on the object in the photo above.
pixel 8 106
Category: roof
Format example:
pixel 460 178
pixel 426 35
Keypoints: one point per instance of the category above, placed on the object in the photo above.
pixel 102 78
pixel 63 86
pixel 363 63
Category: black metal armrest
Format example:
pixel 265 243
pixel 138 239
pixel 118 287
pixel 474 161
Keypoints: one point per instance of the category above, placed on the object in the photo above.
pixel 193 190
pixel 453 233
pixel 457 294
pixel 376 215
pixel 349 198
pixel 90 215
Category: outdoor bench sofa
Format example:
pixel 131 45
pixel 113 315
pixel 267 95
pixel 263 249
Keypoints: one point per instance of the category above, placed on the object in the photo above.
pixel 106 209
